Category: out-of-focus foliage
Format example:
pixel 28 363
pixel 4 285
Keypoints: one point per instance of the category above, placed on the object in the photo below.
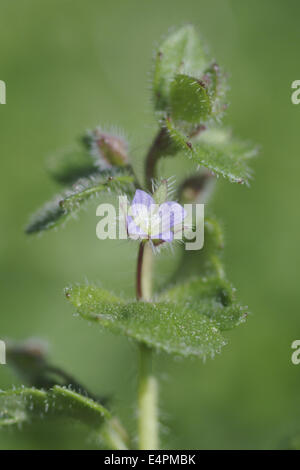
pixel 67 205
pixel 216 150
pixel 62 70
pixel 25 404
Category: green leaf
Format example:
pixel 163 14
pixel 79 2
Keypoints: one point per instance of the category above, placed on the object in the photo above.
pixel 181 52
pixel 30 361
pixel 216 150
pixel 213 297
pixel 167 326
pixel 216 83
pixel 204 262
pixel 189 100
pixel 200 282
pixel 19 405
pixel 49 216
pixel 63 207
pixel 75 406
pixel 69 165
pixel 25 404
pixel 211 78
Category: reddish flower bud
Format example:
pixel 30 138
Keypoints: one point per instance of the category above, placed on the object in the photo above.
pixel 108 149
pixel 196 188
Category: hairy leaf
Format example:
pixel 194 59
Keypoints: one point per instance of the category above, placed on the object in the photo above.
pixel 181 52
pixel 200 281
pixel 189 100
pixel 64 206
pixel 207 261
pixel 167 326
pixel 25 404
pixel 216 84
pixel 30 361
pixel 213 297
pixel 216 150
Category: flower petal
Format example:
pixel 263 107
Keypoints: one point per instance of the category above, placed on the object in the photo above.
pixel 135 231
pixel 166 236
pixel 138 220
pixel 171 214
pixel 142 198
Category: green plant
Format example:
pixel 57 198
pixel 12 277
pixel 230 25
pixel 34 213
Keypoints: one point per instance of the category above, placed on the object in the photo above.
pixel 189 316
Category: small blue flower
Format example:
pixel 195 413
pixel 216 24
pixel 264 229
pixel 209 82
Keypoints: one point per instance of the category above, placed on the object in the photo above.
pixel 149 220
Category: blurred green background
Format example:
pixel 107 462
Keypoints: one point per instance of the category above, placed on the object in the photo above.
pixel 70 65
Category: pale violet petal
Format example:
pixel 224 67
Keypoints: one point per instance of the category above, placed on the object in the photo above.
pixel 171 213
pixel 141 197
pixel 166 236
pixel 134 230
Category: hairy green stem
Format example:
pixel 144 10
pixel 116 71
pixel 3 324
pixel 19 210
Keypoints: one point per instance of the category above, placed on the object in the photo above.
pixel 144 272
pixel 147 402
pixel 114 435
pixel 147 386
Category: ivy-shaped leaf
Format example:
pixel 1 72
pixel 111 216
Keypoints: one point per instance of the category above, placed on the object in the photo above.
pixel 216 150
pixel 167 326
pixel 181 52
pixel 23 404
pixel 63 207
pixel 189 100
pixel 213 297
pixel 200 281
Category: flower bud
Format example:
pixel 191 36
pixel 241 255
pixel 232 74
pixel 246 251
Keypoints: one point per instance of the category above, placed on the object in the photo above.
pixel 160 193
pixel 108 149
pixel 196 189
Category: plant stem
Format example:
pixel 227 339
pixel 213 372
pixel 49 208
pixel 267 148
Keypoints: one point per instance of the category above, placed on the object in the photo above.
pixel 162 146
pixel 147 402
pixel 114 435
pixel 160 143
pixel 144 272
pixel 147 387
